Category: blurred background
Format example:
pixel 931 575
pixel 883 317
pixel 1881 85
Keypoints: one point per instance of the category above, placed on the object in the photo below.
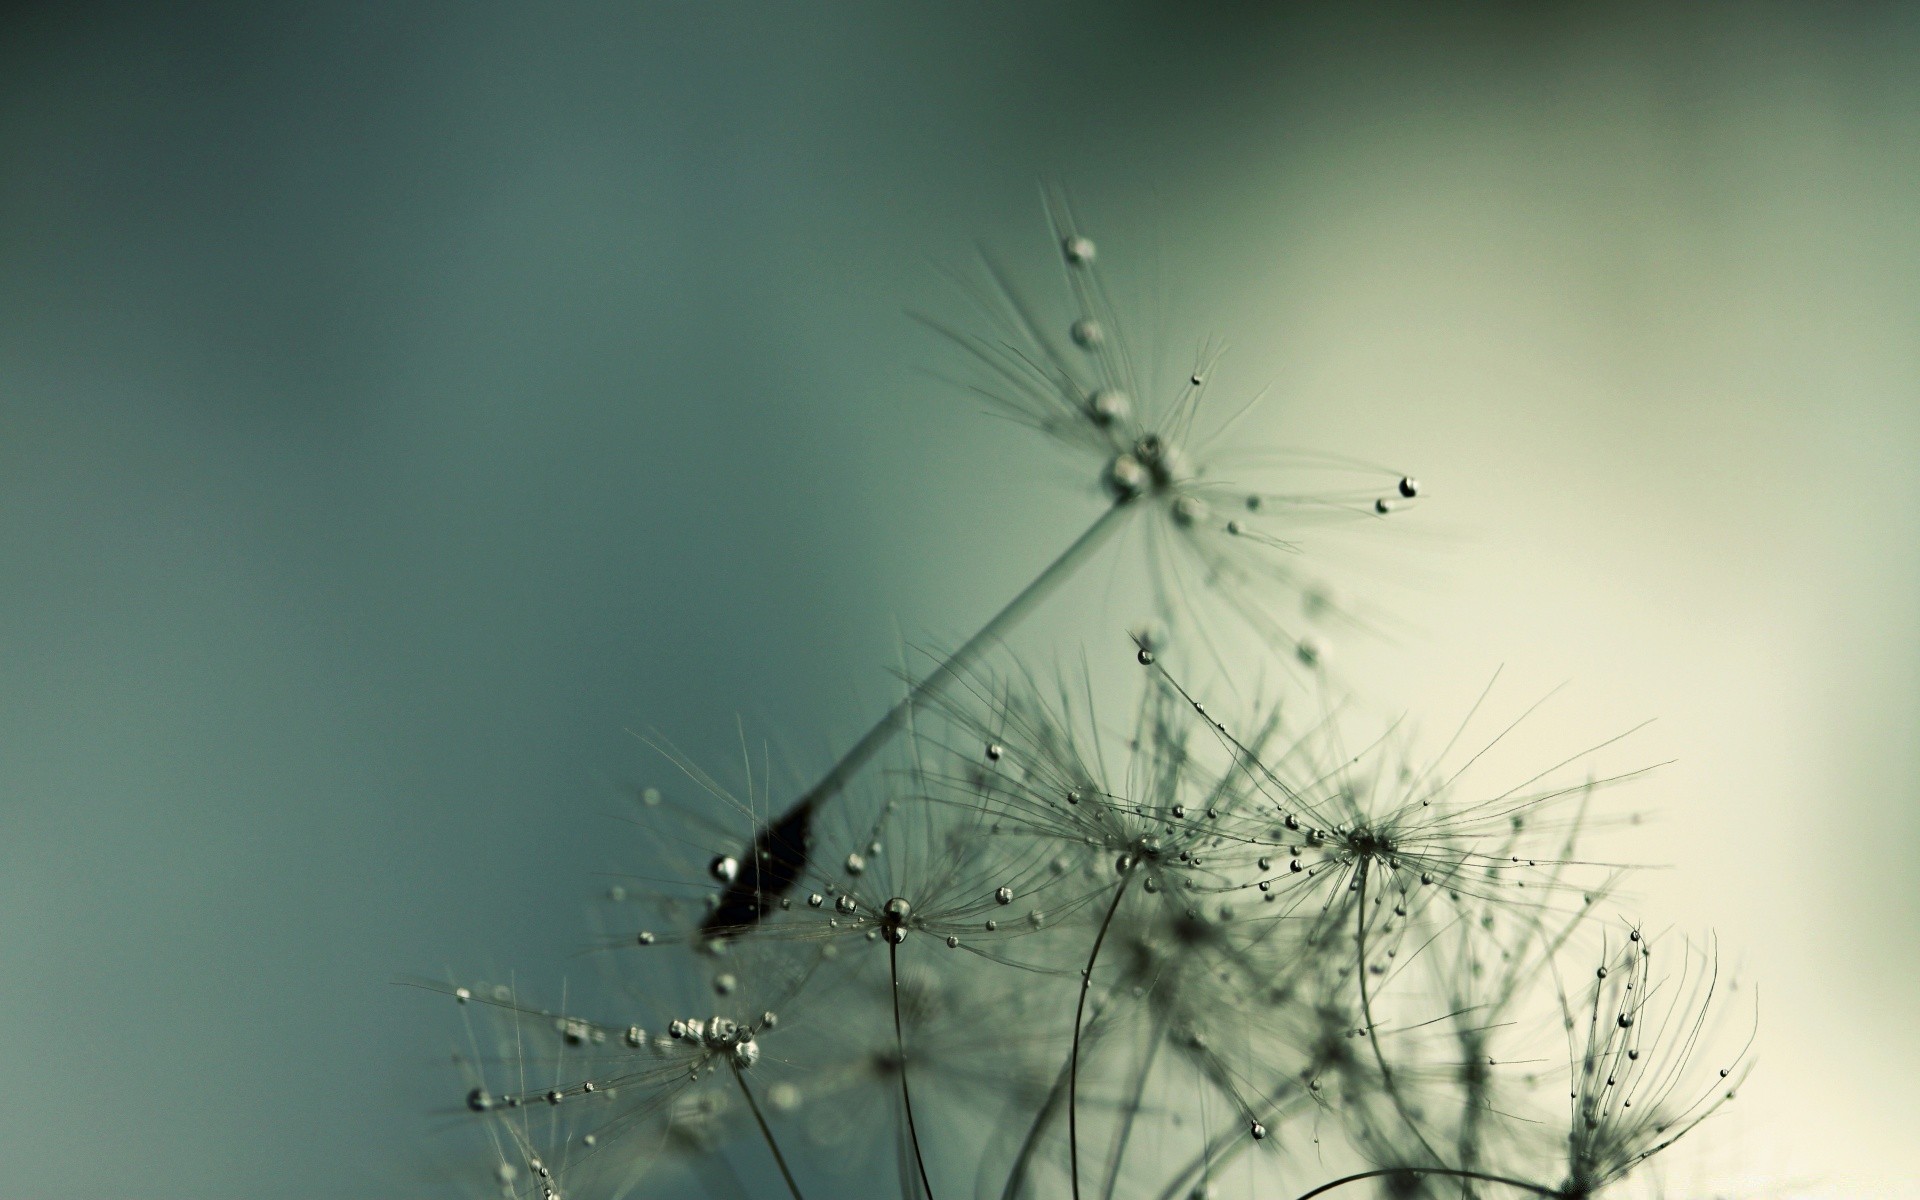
pixel 402 405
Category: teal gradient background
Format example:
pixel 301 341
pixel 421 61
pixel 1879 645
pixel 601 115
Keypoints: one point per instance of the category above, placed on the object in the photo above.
pixel 400 405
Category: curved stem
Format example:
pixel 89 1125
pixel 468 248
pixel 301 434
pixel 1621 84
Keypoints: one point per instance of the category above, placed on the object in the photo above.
pixel 1449 1172
pixel 1079 1012
pixel 1366 1012
pixel 779 1159
pixel 900 1048
pixel 745 901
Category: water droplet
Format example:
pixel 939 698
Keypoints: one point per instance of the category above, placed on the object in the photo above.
pixel 478 1100
pixel 1409 486
pixel 650 797
pixel 746 1053
pixel 1073 795
pixel 1126 478
pixel 462 995
pixel 725 983
pixel 1003 895
pixel 1196 379
pixel 1108 405
pixel 636 1036
pixel 1078 250
pixel 952 942
pixel 1086 333
pixel 896 934
pixel 1383 506
pixel 784 1096
pixel 846 903
pixel 1189 511
pixel 556 1096
pixel 992 926
pixel 617 894
pixel 1311 650
pixel 816 900
pixel 1626 1020
pixel 994 751
pixel 855 863
pixel 1634 936
pixel 724 868
pixel 1179 811
pixel 1258 1131
pixel 1145 656
pixel 1600 974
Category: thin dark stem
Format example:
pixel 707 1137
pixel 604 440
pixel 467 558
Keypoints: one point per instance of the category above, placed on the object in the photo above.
pixel 779 1159
pixel 748 898
pixel 1079 1012
pixel 1373 1034
pixel 1450 1172
pixel 1001 622
pixel 900 1048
